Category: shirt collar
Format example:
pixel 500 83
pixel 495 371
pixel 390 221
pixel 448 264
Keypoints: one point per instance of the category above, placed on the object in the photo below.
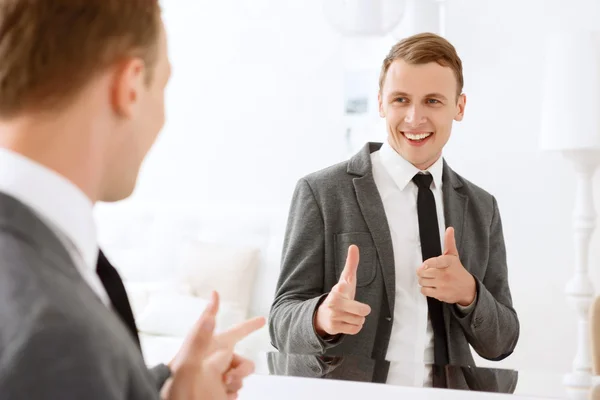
pixel 54 198
pixel 402 171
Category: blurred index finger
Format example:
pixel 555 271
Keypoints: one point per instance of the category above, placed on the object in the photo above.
pixel 230 337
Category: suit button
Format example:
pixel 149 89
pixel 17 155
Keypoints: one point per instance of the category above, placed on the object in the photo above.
pixel 388 318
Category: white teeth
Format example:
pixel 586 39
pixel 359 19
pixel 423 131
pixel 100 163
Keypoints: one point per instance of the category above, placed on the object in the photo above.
pixel 417 136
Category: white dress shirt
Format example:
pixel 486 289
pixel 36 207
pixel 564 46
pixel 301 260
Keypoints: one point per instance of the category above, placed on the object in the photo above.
pixel 411 342
pixel 61 205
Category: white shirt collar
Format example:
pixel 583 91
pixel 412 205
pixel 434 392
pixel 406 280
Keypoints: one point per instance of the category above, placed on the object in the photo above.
pixel 402 171
pixel 54 198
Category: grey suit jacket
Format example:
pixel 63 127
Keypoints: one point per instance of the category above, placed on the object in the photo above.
pixel 339 206
pixel 57 339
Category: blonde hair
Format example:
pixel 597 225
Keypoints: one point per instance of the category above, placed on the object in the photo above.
pixel 424 48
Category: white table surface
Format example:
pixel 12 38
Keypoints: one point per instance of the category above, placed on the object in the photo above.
pixel 265 387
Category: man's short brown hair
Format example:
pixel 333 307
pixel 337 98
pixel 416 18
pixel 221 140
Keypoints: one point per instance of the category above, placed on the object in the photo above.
pixel 424 48
pixel 50 49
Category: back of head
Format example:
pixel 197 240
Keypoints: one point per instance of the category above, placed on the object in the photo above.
pixel 424 48
pixel 82 87
pixel 50 49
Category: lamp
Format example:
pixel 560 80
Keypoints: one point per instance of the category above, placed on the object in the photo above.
pixel 571 125
pixel 422 16
pixel 363 17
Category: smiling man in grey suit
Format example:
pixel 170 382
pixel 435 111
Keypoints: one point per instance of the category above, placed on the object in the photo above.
pixel 81 102
pixel 393 255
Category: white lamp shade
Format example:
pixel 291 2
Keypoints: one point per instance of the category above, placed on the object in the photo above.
pixel 571 91
pixel 363 17
pixel 419 16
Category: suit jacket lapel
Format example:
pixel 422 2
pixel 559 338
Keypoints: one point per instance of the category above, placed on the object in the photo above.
pixel 372 210
pixel 455 205
pixel 455 209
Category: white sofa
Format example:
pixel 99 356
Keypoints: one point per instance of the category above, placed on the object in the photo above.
pixel 172 256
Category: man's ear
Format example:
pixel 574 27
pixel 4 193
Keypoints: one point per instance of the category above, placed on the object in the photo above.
pixel 380 104
pixel 462 102
pixel 128 83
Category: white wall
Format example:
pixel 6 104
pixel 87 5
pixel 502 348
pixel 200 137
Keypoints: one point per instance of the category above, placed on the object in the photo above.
pixel 256 102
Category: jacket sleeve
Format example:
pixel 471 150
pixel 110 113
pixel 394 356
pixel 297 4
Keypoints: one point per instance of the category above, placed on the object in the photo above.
pixel 492 326
pixel 300 286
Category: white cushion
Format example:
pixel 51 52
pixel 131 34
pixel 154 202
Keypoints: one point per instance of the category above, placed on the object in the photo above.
pixel 174 314
pixel 140 292
pixel 226 268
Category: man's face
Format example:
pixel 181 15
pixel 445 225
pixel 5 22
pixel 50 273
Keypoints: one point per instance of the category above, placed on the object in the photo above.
pixel 141 115
pixel 419 104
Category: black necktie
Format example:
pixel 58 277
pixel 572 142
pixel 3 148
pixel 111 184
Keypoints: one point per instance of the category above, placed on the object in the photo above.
pixel 116 292
pixel 429 233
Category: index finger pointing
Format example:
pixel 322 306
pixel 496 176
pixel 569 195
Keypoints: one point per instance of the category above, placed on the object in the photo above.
pixel 352 259
pixel 230 337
